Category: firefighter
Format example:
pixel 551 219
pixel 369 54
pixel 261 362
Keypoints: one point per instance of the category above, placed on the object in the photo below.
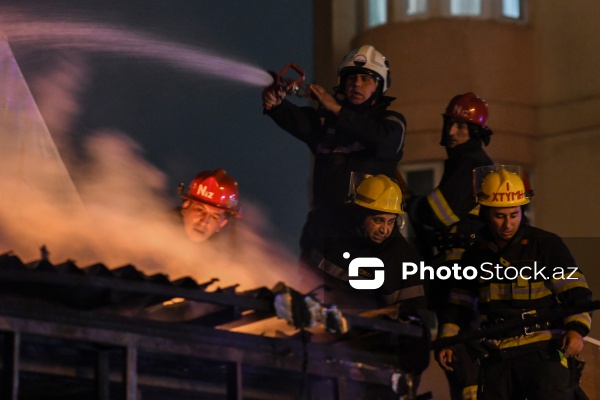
pixel 350 130
pixel 446 220
pixel 369 227
pixel 211 200
pixel 531 361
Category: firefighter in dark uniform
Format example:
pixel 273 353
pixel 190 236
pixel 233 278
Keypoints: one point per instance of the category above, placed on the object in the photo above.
pixel 350 131
pixel 521 363
pixel 446 220
pixel 371 230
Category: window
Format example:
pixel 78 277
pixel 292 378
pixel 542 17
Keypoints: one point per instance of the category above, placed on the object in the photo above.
pixel 421 178
pixel 415 7
pixel 465 7
pixel 511 9
pixel 377 12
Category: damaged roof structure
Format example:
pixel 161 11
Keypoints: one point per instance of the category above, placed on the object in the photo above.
pixel 82 333
pixel 73 331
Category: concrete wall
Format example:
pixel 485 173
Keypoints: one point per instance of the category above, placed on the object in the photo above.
pixel 432 60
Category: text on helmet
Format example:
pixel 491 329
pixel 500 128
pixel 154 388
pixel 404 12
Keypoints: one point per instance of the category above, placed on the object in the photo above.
pixel 204 192
pixel 459 110
pixel 508 196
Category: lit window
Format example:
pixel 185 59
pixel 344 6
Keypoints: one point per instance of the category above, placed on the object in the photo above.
pixel 377 12
pixel 511 9
pixel 416 7
pixel 465 7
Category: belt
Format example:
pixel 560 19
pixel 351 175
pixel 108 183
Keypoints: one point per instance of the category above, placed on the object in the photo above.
pixel 530 325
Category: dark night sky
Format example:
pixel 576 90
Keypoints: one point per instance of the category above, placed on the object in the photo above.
pixel 187 121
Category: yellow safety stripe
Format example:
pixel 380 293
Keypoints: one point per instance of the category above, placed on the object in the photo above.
pixel 469 392
pixel 449 330
pixel 512 291
pixel 583 318
pixel 575 280
pixel 454 254
pixel 441 208
pixel 495 291
pixel 534 291
pixel 522 340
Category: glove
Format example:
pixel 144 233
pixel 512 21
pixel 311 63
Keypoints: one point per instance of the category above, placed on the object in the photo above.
pixel 306 312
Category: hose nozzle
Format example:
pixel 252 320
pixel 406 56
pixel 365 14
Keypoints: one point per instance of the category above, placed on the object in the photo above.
pixel 296 87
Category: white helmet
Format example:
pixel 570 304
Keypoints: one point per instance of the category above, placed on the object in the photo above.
pixel 365 60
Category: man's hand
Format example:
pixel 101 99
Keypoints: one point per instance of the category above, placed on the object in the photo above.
pixel 327 100
pixel 272 98
pixel 445 357
pixel 572 343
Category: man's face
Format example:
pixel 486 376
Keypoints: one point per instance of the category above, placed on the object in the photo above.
pixel 201 221
pixel 458 133
pixel 359 88
pixel 504 222
pixel 379 227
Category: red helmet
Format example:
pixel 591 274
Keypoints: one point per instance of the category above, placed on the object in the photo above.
pixel 214 188
pixel 468 107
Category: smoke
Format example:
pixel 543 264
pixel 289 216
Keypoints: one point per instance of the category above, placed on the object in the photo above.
pixel 105 203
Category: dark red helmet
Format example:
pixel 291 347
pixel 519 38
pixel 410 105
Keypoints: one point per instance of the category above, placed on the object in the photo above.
pixel 468 107
pixel 214 188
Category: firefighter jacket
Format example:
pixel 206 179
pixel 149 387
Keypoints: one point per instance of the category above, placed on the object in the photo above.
pixel 450 209
pixel 533 274
pixel 365 139
pixel 406 295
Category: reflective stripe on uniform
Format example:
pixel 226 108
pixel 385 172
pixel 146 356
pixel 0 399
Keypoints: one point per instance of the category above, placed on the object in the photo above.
pixel 533 291
pixel 405 294
pixel 463 298
pixel 475 211
pixel 449 330
pixel 522 340
pixel 469 393
pixel 398 120
pixel 454 254
pixel 333 270
pixel 572 279
pixel 441 208
pixel 583 318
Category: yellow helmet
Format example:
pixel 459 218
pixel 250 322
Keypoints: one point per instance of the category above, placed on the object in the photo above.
pixel 502 188
pixel 379 193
